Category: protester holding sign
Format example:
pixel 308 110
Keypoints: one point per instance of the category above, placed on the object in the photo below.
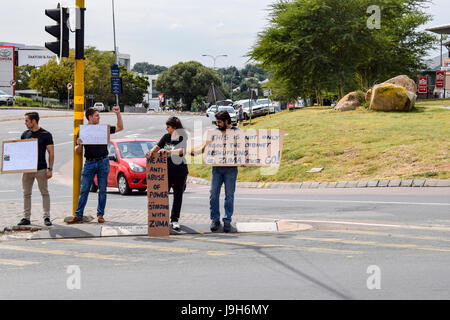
pixel 97 163
pixel 45 144
pixel 174 145
pixel 221 175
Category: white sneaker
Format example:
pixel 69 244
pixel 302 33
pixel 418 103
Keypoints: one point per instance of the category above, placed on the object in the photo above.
pixel 175 226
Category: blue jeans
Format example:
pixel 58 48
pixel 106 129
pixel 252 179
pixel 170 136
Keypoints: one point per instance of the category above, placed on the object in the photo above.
pixel 91 168
pixel 227 176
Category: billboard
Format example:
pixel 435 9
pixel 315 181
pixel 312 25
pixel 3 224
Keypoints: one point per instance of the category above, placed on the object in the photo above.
pixel 35 58
pixel 440 79
pixel 7 69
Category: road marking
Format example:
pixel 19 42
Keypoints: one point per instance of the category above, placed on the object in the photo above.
pixel 66 253
pixel 145 246
pixel 372 243
pixel 342 201
pixel 411 227
pixel 280 246
pixel 18 263
pixel 63 143
pixel 384 234
pixel 7 191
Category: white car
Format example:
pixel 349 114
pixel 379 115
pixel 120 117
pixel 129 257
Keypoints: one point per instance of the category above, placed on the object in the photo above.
pixel 257 109
pixel 99 106
pixel 6 99
pixel 269 105
pixel 211 111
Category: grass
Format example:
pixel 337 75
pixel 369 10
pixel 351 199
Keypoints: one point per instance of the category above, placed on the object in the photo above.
pixel 357 145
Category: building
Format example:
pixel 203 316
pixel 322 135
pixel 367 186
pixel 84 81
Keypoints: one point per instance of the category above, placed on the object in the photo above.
pixel 32 55
pixel 151 97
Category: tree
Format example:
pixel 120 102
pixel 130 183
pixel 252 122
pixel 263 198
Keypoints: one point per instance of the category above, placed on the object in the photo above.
pixel 148 69
pixel 313 46
pixel 187 81
pixel 23 76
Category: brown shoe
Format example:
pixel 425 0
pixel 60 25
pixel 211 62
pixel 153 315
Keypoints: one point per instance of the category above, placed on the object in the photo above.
pixel 74 220
pixel 100 219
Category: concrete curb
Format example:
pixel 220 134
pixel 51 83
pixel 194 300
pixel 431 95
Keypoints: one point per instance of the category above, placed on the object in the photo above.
pixel 97 231
pixel 342 184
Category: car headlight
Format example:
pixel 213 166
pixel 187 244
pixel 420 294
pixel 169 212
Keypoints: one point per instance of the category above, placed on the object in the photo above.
pixel 136 168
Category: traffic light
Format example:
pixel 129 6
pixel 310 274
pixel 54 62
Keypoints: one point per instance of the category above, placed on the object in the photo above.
pixel 60 31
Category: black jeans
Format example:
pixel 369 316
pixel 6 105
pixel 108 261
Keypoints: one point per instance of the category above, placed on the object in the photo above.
pixel 177 184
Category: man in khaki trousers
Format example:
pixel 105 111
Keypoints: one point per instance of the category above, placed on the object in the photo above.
pixel 44 172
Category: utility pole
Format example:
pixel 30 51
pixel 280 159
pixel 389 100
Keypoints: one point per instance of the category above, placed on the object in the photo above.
pixel 78 108
pixel 116 53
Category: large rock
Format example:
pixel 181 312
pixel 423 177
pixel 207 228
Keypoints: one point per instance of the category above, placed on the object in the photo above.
pixel 390 97
pixel 350 102
pixel 403 81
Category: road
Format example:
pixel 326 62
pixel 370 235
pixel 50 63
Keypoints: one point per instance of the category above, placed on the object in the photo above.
pixel 371 243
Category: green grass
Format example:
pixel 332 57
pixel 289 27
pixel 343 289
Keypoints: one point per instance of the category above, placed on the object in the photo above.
pixel 357 145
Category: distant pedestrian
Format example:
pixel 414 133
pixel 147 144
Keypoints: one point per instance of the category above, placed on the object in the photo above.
pixel 240 113
pixel 221 175
pixel 97 163
pixel 174 145
pixel 44 172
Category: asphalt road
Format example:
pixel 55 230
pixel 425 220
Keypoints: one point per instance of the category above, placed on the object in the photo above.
pixel 381 243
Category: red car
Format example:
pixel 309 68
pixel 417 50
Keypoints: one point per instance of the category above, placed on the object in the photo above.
pixel 127 164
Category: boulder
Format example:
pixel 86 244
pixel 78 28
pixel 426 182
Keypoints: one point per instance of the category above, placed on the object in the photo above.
pixel 403 81
pixel 391 97
pixel 350 102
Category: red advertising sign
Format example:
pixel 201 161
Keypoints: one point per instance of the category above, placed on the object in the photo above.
pixel 440 79
pixel 423 84
pixel 161 97
pixel 291 105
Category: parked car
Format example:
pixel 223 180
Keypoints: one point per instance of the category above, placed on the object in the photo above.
pixel 269 105
pixel 6 99
pixel 211 111
pixel 99 106
pixel 256 109
pixel 224 103
pixel 231 112
pixel 127 164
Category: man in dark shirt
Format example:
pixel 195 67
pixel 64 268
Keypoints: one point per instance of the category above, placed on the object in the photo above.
pixel 97 163
pixel 45 144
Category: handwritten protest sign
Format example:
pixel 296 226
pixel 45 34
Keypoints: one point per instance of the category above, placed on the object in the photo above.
pixel 158 197
pixel 19 156
pixel 94 134
pixel 258 148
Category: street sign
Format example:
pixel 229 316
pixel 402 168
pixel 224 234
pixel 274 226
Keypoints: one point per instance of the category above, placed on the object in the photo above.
pixel 12 83
pixel 423 84
pixel 69 86
pixel 161 97
pixel 116 85
pixel 115 71
pixel 440 79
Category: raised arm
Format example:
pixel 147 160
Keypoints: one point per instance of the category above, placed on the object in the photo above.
pixel 119 125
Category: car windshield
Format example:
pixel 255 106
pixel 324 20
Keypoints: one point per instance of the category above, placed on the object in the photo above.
pixel 263 101
pixel 3 93
pixel 229 109
pixel 224 103
pixel 135 149
pixel 245 104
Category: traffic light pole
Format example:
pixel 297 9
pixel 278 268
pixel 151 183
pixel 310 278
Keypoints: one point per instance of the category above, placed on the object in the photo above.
pixel 78 108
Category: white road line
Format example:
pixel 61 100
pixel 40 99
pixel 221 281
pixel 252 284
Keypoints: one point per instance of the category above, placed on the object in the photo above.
pixel 6 191
pixel 343 201
pixel 63 143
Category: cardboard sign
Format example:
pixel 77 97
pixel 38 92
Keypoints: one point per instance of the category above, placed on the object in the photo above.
pixel 97 134
pixel 19 156
pixel 259 148
pixel 158 196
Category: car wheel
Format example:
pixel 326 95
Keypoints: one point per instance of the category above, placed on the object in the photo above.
pixel 94 187
pixel 245 116
pixel 124 188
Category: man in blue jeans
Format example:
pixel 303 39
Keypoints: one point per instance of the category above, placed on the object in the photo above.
pixel 97 163
pixel 221 175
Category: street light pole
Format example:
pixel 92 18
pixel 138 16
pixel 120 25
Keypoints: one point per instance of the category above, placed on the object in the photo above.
pixel 115 47
pixel 214 58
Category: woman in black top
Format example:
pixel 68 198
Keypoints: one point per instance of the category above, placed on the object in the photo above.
pixel 174 145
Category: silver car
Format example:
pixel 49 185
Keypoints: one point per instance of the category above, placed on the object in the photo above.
pixel 6 98
pixel 231 112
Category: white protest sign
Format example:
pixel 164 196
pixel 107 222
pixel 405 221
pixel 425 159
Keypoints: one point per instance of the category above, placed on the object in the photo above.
pixel 19 156
pixel 260 148
pixel 94 134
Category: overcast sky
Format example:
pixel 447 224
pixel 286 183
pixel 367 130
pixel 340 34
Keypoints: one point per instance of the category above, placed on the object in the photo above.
pixel 163 32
